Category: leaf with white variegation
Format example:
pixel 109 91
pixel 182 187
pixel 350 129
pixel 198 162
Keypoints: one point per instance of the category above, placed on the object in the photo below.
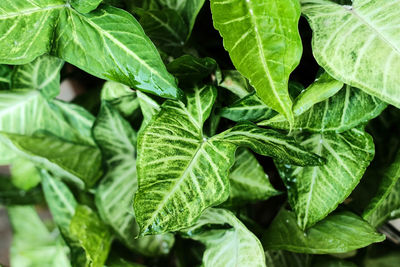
pixel 341 112
pixel 180 171
pixel 114 195
pixel 358 44
pixel 235 246
pixel 60 30
pixel 340 232
pixel 264 44
pixel 315 191
pixel 42 74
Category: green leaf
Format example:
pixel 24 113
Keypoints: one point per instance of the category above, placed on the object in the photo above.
pixel 281 258
pixel 11 195
pixel 77 163
pixel 323 88
pixel 5 77
pixel 180 171
pixel 340 232
pixel 345 110
pixel 32 244
pixel 270 143
pixel 190 70
pixel 60 30
pixel 315 191
pixel 234 246
pixel 248 181
pixel 166 29
pixel 236 83
pixel 24 174
pixel 42 74
pixel 249 108
pixel 85 6
pixel 148 106
pixel 92 234
pixel 114 195
pixel 386 202
pixel 264 44
pixel 367 62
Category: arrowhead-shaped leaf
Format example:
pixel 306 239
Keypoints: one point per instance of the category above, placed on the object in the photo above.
pixel 264 44
pixel 235 246
pixel 358 44
pixel 340 232
pixel 315 191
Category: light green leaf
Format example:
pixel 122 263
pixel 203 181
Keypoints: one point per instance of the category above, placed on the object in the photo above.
pixel 249 108
pixel 148 106
pixel 166 29
pixel 248 181
pixel 236 83
pixel 60 30
pixel 121 97
pixel 92 234
pixel 281 258
pixel 323 88
pixel 270 143
pixel 190 70
pixel 85 6
pixel 24 174
pixel 174 160
pixel 33 245
pixel 235 246
pixel 42 74
pixel 338 233
pixel 366 59
pixel 345 110
pixel 386 202
pixel 114 195
pixel 315 191
pixel 5 77
pixel 264 44
pixel 77 163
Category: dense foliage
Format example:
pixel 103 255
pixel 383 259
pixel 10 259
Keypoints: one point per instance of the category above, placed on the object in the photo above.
pixel 212 133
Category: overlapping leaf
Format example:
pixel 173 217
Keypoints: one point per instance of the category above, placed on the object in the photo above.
pixel 235 246
pixel 58 29
pixel 264 44
pixel 358 44
pixel 338 233
pixel 315 191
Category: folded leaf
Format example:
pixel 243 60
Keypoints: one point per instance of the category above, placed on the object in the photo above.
pixel 33 244
pixel 338 233
pixel 315 191
pixel 24 174
pixel 180 171
pixel 366 63
pixel 264 44
pixel 60 30
pixel 114 195
pixel 343 111
pixel 248 181
pixel 235 246
pixel 270 143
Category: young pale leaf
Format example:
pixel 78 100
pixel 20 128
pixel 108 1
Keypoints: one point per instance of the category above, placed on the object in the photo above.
pixel 85 6
pixel 367 62
pixel 281 258
pixel 114 195
pixel 121 97
pixel 248 181
pixel 180 171
pixel 249 108
pixel 338 233
pixel 190 70
pixel 78 163
pixel 323 88
pixel 5 77
pixel 33 244
pixel 236 83
pixel 386 203
pixel 235 246
pixel 24 174
pixel 264 44
pixel 315 191
pixel 42 74
pixel 60 30
pixel 345 110
pixel 92 234
pixel 270 143
pixel 166 29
